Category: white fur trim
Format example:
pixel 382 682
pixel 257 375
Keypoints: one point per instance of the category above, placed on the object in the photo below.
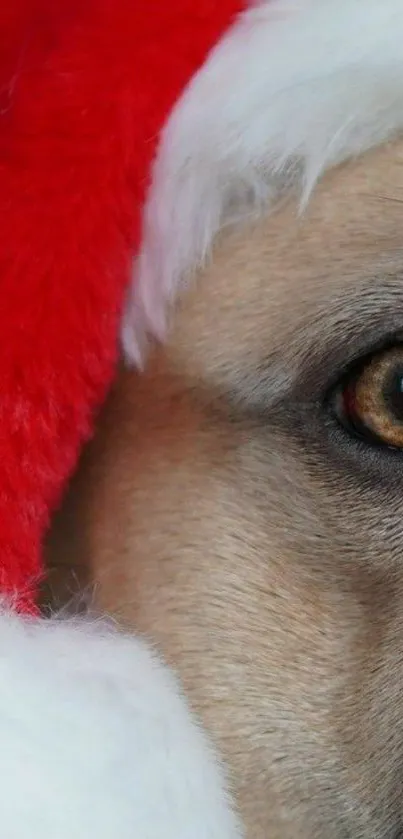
pixel 293 89
pixel 96 741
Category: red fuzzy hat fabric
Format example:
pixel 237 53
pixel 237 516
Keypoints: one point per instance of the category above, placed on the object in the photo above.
pixel 97 741
pixel 85 87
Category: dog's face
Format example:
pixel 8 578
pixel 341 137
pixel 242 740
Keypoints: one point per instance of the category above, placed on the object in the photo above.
pixel 243 505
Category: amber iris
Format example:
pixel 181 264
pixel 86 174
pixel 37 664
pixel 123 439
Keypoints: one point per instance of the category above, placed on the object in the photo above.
pixel 371 400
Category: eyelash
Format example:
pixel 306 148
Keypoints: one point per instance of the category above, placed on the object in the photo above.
pixel 393 339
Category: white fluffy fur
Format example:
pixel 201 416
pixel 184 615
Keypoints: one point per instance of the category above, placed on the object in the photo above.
pixel 96 741
pixel 291 90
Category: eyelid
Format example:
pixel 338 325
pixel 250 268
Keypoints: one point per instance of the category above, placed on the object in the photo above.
pixel 311 355
pixel 280 385
pixel 321 370
pixel 344 329
pixel 359 360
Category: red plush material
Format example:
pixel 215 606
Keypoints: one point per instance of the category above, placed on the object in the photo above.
pixel 85 86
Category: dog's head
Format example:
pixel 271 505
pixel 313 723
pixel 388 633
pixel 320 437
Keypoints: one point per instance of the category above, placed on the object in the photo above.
pixel 243 503
pixel 243 506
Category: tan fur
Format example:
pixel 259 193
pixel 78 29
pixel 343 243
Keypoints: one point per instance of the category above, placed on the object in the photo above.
pixel 219 513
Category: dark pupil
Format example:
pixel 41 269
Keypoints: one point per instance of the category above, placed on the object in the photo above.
pixel 393 393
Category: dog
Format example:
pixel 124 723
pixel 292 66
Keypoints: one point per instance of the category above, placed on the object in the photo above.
pixel 241 505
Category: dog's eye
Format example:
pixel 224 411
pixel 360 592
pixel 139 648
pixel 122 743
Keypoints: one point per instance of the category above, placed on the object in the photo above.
pixel 369 400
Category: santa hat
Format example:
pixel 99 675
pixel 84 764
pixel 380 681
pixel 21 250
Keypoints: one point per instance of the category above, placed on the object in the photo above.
pixel 109 106
pixel 292 88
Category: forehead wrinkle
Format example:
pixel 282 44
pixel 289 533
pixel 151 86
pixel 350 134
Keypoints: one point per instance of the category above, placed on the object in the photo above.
pixel 348 324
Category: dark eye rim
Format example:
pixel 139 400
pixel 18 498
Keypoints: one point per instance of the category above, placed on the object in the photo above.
pixel 355 430
pixel 358 461
pixel 354 365
pixel 356 433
